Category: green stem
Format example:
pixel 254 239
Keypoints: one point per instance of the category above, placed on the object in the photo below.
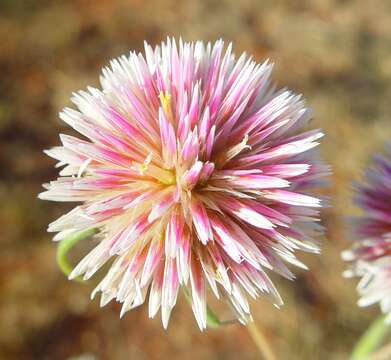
pixel 260 341
pixel 370 340
pixel 67 244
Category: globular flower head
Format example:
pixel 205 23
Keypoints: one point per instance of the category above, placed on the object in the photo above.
pixel 371 251
pixel 197 173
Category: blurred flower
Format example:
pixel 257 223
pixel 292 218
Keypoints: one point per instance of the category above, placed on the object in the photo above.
pixel 371 253
pixel 196 171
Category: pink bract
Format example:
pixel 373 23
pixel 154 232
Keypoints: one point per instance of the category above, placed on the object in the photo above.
pixel 197 173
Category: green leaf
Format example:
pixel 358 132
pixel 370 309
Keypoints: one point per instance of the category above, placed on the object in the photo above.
pixel 66 245
pixel 211 319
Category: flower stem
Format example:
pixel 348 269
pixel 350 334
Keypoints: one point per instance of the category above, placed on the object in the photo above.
pixel 370 340
pixel 260 341
pixel 67 244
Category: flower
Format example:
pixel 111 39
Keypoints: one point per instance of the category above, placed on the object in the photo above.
pixel 197 173
pixel 371 252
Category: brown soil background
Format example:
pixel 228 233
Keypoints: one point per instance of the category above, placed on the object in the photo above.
pixel 337 53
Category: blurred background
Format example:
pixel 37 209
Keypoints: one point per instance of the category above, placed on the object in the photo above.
pixel 336 52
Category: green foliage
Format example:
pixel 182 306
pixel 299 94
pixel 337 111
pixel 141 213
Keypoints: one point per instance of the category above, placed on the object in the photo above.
pixel 66 245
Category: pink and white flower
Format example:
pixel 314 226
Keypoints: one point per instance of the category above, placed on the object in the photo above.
pixel 371 251
pixel 197 173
